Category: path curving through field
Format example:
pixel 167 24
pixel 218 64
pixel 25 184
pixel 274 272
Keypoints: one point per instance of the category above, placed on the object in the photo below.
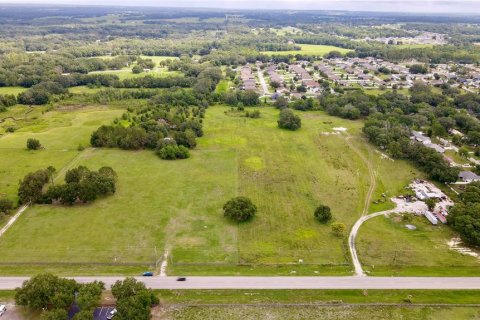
pixel 364 217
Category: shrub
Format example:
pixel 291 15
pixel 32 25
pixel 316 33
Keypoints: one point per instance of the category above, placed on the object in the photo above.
pixel 339 229
pixel 33 144
pixel 288 120
pixel 173 152
pixel 239 209
pixel 5 206
pixel 323 214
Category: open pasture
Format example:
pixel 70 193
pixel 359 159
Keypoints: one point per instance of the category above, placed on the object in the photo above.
pixel 310 49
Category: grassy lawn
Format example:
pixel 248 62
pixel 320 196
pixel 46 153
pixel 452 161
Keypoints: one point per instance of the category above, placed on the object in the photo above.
pixel 340 304
pixel 222 86
pixel 126 73
pixel 177 205
pixel 387 247
pixel 158 59
pixel 310 49
pixel 60 132
pixel 12 90
pixel 285 173
pixel 318 312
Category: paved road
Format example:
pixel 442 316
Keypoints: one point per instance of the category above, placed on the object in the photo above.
pixel 263 83
pixel 9 283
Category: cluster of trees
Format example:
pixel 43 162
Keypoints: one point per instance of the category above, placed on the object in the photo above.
pixel 464 217
pixel 171 131
pixel 143 64
pixel 241 98
pixel 391 117
pixel 394 137
pixel 239 209
pixel 53 296
pixel 288 120
pixel 81 184
pixel 134 300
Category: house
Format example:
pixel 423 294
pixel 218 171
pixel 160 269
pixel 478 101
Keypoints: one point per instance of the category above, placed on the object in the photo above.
pixel 468 176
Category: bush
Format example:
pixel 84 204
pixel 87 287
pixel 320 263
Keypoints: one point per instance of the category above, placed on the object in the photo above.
pixel 173 152
pixel 239 209
pixel 323 214
pixel 339 229
pixel 5 206
pixel 33 144
pixel 288 120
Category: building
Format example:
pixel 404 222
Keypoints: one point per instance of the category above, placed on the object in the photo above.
pixel 431 217
pixel 468 176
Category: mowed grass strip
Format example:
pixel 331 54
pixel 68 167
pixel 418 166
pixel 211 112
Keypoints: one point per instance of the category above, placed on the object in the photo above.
pixel 310 49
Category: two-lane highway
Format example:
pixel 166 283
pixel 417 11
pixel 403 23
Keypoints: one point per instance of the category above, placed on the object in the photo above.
pixel 351 282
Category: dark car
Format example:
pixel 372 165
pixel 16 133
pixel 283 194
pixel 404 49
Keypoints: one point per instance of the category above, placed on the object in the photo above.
pixel 148 274
pixel 181 279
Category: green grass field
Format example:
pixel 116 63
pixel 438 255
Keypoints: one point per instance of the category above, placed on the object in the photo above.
pixel 126 73
pixel 310 49
pixel 318 312
pixel 12 90
pixel 177 205
pixel 286 174
pixel 386 247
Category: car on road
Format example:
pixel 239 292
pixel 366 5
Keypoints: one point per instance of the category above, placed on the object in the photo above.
pixel 148 274
pixel 111 314
pixel 3 309
pixel 181 279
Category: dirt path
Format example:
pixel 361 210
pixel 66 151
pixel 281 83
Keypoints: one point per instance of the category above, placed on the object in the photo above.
pixel 368 198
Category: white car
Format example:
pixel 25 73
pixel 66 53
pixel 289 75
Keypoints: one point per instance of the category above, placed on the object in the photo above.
pixel 111 314
pixel 3 309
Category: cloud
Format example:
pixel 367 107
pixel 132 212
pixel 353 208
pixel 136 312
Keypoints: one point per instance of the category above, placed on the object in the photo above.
pixel 435 6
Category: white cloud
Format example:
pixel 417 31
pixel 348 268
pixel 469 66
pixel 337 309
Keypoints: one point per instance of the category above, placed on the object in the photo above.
pixel 435 6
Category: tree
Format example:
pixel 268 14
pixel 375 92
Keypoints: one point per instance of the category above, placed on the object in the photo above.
pixel 56 314
pixel 33 144
pixel 31 186
pixel 173 152
pixel 281 103
pixel 239 209
pixel 339 229
pixel 46 291
pixel 288 120
pixel 89 295
pixel 134 300
pixel 5 205
pixel 430 202
pixel 84 315
pixel 323 213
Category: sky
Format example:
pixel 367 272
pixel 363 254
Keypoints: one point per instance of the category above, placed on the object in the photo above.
pixel 435 6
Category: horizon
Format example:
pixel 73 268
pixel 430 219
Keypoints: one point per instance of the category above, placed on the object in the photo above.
pixel 471 7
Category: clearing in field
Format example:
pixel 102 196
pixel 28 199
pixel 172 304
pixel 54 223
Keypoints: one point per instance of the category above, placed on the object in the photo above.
pixel 310 49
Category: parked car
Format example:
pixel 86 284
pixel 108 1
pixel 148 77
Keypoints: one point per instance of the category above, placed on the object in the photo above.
pixel 148 274
pixel 111 314
pixel 181 279
pixel 3 309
